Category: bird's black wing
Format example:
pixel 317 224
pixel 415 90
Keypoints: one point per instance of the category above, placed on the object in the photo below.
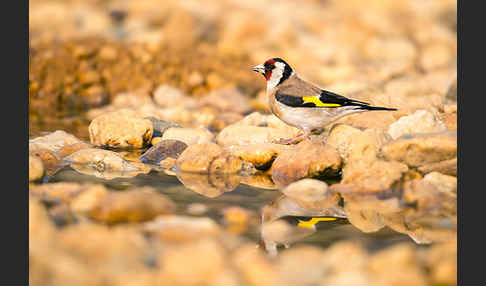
pixel 330 97
pixel 324 99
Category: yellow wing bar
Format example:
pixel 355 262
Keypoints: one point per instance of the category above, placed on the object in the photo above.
pixel 314 220
pixel 318 102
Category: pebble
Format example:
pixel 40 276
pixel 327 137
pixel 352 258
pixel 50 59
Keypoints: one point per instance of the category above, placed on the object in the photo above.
pixel 36 169
pixel 422 121
pixel 189 136
pixel 140 204
pixel 421 150
pixel 123 128
pixel 309 158
pixel 165 149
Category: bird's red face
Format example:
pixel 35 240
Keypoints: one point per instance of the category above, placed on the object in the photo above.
pixel 275 71
pixel 266 69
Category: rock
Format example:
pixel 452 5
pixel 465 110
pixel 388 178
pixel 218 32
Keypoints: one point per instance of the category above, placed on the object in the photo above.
pixel 227 100
pixel 424 195
pixel 198 158
pixel 168 96
pixel 447 167
pixel 51 161
pixel 397 265
pixel 259 180
pixel 196 209
pixel 190 136
pixel 209 158
pixel 442 262
pixel 422 121
pixel 36 169
pixel 354 144
pixel 190 255
pixel 444 183
pixel 53 141
pixel 121 129
pixel 181 228
pixel 88 199
pixel 254 267
pixel 102 245
pixel 452 91
pixel 100 160
pixel 62 215
pixel 260 155
pixel 41 229
pixel 346 259
pixel 59 192
pixel 222 120
pixel 366 220
pixel 309 158
pixel 238 134
pixel 390 49
pixel 131 100
pixel 450 120
pixel 109 174
pixel 302 266
pixel 308 190
pixel 420 150
pixel 372 176
pixel 165 149
pixel 72 148
pixel 134 205
pixel 156 140
pixel 436 56
pixel 236 219
pixel 160 126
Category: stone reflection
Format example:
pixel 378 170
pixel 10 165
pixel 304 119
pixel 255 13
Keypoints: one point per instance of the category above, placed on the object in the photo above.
pixel 425 213
pixel 210 185
pixel 107 174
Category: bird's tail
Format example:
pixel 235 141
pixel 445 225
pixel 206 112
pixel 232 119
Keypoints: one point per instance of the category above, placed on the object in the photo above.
pixel 369 107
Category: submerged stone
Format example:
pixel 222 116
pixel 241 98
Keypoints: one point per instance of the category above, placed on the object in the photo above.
pixel 165 149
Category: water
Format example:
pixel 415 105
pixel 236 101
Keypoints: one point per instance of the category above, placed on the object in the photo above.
pixel 186 192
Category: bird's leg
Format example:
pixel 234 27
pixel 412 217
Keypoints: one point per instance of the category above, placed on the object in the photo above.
pixel 294 140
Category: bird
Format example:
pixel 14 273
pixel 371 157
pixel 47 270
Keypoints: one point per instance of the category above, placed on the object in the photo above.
pixel 302 104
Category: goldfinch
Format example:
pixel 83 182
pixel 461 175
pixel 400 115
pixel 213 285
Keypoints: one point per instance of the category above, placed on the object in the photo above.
pixel 303 104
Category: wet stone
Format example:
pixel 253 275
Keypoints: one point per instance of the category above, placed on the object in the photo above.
pixel 209 158
pixel 189 136
pixel 165 149
pixel 36 169
pixel 260 155
pixel 175 228
pixel 422 121
pixel 160 126
pixel 134 205
pixel 51 161
pixel 100 160
pixel 120 129
pixel 309 158
pixel 309 190
pixel 421 150
pixel 53 141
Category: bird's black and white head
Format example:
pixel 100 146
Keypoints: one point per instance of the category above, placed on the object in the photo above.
pixel 275 71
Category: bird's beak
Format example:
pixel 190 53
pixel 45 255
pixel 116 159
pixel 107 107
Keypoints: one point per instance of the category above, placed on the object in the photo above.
pixel 259 68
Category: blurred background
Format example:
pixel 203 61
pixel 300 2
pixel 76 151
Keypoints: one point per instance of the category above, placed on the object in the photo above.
pixel 398 53
pixel 189 63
